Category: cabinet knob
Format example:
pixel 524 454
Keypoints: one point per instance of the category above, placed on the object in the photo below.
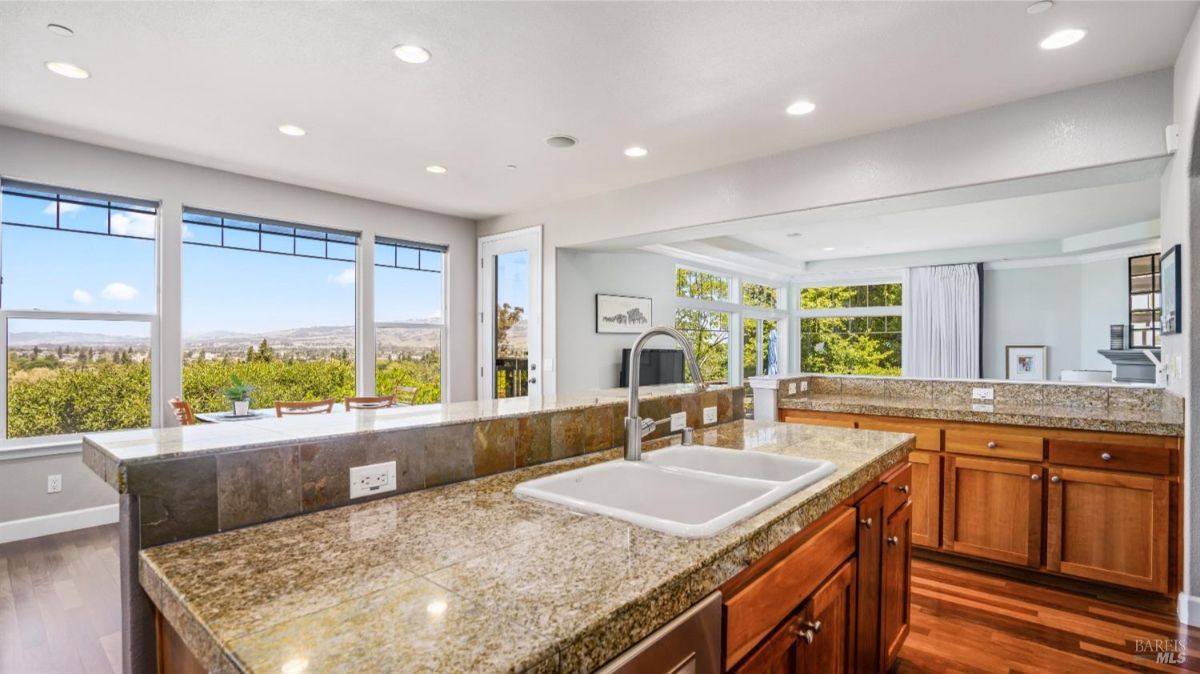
pixel 866 523
pixel 893 540
pixel 807 635
pixel 1106 457
pixel 815 626
pixel 1055 479
pixel 991 444
pixel 1035 477
pixel 902 488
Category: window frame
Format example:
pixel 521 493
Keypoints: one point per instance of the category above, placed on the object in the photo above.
pixel 368 389
pixel 798 314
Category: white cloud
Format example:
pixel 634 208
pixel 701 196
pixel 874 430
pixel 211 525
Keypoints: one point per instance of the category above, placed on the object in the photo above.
pixel 187 232
pixel 133 224
pixel 81 296
pixel 65 208
pixel 119 291
pixel 343 278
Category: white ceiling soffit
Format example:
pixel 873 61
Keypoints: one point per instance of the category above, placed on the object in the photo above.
pixel 698 84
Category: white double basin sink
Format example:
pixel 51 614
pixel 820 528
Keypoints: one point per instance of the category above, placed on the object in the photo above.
pixel 689 491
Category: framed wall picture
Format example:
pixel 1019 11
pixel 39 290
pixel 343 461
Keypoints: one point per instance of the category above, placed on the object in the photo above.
pixel 623 314
pixel 1025 363
pixel 1172 286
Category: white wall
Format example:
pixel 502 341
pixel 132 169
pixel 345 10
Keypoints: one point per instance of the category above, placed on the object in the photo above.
pixel 588 360
pixel 1066 307
pixel 1101 124
pixel 55 161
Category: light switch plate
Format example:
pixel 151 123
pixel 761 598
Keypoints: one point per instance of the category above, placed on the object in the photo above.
pixel 377 478
pixel 678 421
pixel 804 385
pixel 548 364
pixel 710 415
pixel 983 393
pixel 791 388
pixel 53 484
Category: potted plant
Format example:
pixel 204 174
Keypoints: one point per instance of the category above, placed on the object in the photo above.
pixel 238 393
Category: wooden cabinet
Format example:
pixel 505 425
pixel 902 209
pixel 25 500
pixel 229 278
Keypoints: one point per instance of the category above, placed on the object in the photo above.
pixel 926 498
pixel 896 604
pixel 827 625
pixel 870 580
pixel 1110 527
pixel 816 418
pixel 993 509
pixel 779 653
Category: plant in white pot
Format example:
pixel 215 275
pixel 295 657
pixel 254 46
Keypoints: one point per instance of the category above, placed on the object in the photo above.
pixel 238 393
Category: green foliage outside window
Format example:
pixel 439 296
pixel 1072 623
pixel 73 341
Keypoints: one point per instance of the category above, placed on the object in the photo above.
pixel 755 295
pixel 837 297
pixel 701 285
pixel 865 345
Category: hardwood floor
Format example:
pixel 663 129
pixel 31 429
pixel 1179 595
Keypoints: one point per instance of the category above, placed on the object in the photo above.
pixel 967 621
pixel 60 612
pixel 60 609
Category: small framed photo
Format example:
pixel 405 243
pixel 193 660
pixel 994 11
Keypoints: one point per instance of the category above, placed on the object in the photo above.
pixel 1172 285
pixel 1025 363
pixel 617 314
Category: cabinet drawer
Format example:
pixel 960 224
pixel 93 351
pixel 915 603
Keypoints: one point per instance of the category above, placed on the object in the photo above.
pixel 1001 443
pixel 817 418
pixel 757 608
pixel 897 487
pixel 928 437
pixel 1112 456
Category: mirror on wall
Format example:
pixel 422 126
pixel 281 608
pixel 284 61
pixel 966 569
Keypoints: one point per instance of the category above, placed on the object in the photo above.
pixel 1055 278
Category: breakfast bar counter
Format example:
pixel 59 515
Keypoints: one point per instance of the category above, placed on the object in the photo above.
pixel 469 577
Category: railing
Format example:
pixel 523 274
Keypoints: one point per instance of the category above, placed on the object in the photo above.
pixel 512 377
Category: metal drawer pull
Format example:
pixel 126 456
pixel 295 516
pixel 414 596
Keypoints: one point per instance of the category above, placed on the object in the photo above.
pixel 807 635
pixel 1055 479
pixel 866 523
pixel 1035 477
pixel 991 444
pixel 903 488
pixel 815 626
pixel 1106 457
pixel 893 540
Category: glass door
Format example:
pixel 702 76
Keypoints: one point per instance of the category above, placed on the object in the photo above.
pixel 510 315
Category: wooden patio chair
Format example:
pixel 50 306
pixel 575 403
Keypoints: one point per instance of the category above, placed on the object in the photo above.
pixel 370 402
pixel 405 395
pixel 297 408
pixel 183 412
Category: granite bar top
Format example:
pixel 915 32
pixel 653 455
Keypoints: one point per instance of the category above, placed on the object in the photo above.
pixel 152 444
pixel 1165 421
pixel 468 577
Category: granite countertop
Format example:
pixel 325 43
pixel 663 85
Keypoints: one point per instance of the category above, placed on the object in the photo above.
pixel 1145 421
pixel 152 444
pixel 468 577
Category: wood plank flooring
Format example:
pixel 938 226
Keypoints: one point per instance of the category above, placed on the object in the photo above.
pixel 60 608
pixel 60 612
pixel 967 621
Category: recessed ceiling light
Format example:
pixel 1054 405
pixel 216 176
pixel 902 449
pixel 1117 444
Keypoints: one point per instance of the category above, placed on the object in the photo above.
pixel 801 108
pixel 68 70
pixel 1063 38
pixel 434 168
pixel 828 248
pixel 562 141
pixel 291 130
pixel 59 30
pixel 635 151
pixel 1040 7
pixel 411 53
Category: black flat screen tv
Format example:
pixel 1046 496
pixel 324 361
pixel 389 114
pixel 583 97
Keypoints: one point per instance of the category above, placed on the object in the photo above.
pixel 658 366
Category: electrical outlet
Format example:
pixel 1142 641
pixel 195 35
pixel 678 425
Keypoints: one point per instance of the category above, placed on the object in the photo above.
pixel 710 415
pixel 791 388
pixel 53 484
pixel 678 421
pixel 987 393
pixel 376 478
pixel 804 386
pixel 983 407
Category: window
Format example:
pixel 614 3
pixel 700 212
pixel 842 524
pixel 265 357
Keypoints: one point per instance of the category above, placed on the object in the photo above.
pixel 701 285
pixel 757 295
pixel 1145 302
pixel 78 308
pixel 760 347
pixel 271 302
pixel 708 332
pixel 854 329
pixel 410 331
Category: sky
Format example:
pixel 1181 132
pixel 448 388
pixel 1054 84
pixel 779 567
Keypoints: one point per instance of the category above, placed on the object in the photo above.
pixel 223 289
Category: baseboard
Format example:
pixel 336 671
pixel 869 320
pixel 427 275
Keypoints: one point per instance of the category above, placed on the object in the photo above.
pixel 1189 609
pixel 44 525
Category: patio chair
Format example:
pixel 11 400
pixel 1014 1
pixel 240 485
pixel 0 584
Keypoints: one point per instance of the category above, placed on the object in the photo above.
pixel 370 402
pixel 183 412
pixel 296 408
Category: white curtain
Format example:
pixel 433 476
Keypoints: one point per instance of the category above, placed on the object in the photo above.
pixel 941 322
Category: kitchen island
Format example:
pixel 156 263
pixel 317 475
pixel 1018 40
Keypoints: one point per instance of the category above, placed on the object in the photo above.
pixel 468 577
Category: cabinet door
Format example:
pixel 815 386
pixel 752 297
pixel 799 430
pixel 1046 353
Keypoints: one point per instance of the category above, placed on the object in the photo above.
pixel 779 653
pixel 895 607
pixel 993 509
pixel 870 569
pixel 1110 527
pixel 926 498
pixel 827 625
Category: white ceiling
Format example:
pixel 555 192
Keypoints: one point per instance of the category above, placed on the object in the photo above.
pixel 699 84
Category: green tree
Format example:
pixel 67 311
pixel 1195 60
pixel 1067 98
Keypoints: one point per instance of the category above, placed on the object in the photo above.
pixel 507 316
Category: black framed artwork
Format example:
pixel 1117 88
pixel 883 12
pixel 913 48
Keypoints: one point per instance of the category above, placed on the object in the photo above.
pixel 617 314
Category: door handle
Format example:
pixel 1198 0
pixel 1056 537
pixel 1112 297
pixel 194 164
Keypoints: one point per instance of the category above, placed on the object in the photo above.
pixel 533 380
pixel 866 523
